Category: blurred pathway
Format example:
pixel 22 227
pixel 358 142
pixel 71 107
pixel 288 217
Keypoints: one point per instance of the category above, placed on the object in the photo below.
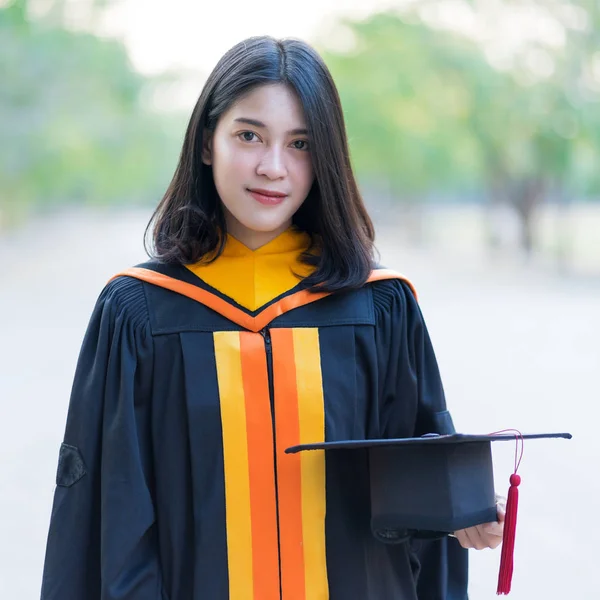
pixel 516 349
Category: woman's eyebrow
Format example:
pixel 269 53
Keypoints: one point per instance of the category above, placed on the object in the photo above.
pixel 255 123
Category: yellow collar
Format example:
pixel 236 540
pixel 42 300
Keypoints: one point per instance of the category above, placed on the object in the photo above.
pixel 255 277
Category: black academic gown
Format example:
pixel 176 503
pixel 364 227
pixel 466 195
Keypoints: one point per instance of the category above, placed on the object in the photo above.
pixel 172 480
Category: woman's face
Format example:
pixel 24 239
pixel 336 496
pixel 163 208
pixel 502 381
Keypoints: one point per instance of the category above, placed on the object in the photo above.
pixel 261 163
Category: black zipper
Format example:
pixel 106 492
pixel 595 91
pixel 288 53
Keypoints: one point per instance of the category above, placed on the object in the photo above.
pixel 269 352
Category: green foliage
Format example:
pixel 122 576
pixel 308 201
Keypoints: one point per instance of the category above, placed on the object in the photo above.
pixel 406 108
pixel 426 112
pixel 74 120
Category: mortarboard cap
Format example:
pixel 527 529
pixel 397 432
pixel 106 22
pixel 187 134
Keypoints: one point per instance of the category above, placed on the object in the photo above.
pixel 432 485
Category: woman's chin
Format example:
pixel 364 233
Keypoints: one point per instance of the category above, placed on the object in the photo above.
pixel 262 226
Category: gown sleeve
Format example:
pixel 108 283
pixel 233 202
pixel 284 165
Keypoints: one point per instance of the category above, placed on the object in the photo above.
pixel 412 403
pixel 102 538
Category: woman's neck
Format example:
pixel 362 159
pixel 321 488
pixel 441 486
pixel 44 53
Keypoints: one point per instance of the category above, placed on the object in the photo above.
pixel 250 238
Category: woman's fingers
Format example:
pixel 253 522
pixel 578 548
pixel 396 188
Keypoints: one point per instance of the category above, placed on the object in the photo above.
pixel 488 535
pixel 494 543
pixel 470 538
pixel 495 529
pixel 477 537
pixel 501 502
pixel 501 513
pixel 463 539
pixel 493 534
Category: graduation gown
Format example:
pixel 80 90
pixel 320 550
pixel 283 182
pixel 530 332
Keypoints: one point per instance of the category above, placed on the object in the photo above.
pixel 172 480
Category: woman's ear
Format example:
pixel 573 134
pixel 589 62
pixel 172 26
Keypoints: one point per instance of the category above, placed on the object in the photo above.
pixel 207 147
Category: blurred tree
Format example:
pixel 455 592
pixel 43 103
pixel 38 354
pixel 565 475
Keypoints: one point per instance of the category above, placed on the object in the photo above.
pixel 428 113
pixel 75 119
pixel 405 109
pixel 553 114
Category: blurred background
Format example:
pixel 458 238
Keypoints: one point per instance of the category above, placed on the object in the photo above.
pixel 475 133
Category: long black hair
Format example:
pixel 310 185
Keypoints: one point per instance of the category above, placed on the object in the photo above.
pixel 189 222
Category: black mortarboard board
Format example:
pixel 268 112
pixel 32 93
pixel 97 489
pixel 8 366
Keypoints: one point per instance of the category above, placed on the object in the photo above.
pixel 428 486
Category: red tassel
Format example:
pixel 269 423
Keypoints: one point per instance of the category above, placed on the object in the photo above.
pixel 508 538
pixel 510 520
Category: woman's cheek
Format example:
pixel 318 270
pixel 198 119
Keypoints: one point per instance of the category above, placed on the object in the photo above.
pixel 306 173
pixel 243 159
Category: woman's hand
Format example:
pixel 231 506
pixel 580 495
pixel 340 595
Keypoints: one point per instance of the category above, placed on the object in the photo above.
pixel 488 535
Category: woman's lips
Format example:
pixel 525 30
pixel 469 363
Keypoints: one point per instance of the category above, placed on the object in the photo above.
pixel 267 198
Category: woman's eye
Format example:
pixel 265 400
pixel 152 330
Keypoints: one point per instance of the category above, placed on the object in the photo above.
pixel 248 136
pixel 300 144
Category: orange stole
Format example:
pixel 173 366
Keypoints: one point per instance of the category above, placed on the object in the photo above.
pixel 236 315
pixel 300 417
pixel 251 513
pixel 252 545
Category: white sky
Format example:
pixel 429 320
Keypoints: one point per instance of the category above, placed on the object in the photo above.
pixel 190 36
pixel 194 34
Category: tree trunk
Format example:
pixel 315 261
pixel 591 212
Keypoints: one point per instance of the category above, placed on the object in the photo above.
pixel 563 238
pixel 526 196
pixel 496 197
pixel 527 236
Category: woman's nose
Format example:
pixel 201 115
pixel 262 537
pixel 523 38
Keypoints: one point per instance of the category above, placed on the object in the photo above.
pixel 272 164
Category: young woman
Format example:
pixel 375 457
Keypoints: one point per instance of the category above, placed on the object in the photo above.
pixel 262 322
